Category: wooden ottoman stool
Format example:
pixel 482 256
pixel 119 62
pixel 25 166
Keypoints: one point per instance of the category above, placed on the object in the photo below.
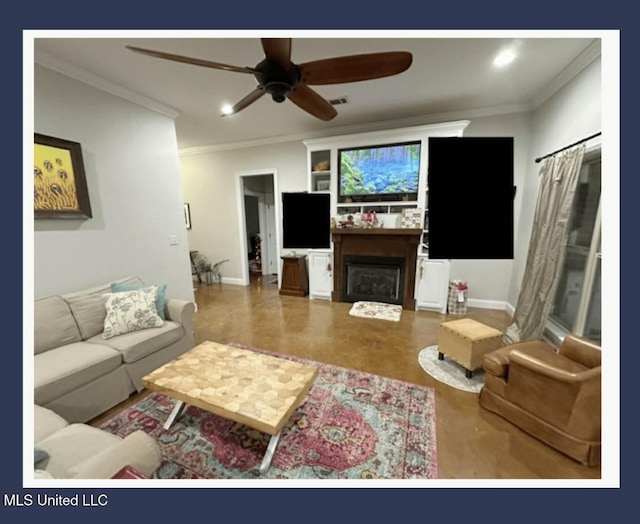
pixel 466 341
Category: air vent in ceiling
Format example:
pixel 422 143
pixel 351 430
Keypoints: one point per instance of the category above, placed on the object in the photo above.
pixel 339 101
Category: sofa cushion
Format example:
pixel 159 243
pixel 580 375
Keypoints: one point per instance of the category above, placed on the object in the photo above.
pixel 129 311
pixel 74 444
pixel 45 423
pixel 88 309
pixel 139 344
pixel 161 300
pixel 66 368
pixel 54 324
pixel 137 450
pixel 89 313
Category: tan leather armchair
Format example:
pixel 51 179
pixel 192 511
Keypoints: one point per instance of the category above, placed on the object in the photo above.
pixel 554 395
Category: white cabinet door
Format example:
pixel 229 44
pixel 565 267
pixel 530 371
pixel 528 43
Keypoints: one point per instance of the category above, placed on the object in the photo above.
pixel 432 284
pixel 320 273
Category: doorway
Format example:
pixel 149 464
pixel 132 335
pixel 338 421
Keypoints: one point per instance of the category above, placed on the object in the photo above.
pixel 258 209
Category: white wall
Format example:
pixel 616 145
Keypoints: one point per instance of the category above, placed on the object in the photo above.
pixel 209 185
pixel 131 163
pixel 571 114
pixel 489 280
pixel 208 182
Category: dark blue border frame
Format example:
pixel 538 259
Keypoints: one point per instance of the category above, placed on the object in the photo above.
pixel 554 505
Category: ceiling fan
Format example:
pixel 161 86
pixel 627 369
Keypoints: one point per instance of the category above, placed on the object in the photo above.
pixel 278 76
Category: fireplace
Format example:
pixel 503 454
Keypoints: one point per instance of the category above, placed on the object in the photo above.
pixel 375 264
pixel 379 279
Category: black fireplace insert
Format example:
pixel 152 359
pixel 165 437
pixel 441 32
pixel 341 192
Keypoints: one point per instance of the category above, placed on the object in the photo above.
pixel 373 278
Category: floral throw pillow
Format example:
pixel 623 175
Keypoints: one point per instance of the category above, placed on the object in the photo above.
pixel 129 311
pixel 161 300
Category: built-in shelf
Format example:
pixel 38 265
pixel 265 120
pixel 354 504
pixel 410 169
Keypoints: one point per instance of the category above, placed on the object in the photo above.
pixel 322 159
pixel 322 175
pixel 320 170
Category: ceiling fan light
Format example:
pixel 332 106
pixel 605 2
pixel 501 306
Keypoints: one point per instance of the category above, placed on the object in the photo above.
pixel 227 109
pixel 504 58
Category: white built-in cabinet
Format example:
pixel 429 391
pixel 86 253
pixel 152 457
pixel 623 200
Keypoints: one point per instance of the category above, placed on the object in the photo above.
pixel 432 276
pixel 320 273
pixel 432 284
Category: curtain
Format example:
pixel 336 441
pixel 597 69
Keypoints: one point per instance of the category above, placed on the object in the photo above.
pixel 543 268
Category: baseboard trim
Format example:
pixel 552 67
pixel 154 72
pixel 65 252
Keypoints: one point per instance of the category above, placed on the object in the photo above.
pixel 472 302
pixel 233 281
pixel 487 304
pixel 510 309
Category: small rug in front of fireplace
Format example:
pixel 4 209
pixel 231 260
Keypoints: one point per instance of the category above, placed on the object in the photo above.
pixel 377 310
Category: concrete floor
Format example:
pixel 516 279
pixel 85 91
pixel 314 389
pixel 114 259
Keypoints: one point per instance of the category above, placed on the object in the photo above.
pixel 472 442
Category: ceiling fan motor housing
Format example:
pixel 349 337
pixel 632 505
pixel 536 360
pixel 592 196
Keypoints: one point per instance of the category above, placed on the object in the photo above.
pixel 277 80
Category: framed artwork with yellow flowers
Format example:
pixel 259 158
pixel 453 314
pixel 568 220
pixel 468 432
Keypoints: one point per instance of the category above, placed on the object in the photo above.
pixel 60 184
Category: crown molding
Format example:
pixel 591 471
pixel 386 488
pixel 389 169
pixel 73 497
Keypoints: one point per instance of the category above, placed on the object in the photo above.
pixel 82 75
pixel 582 61
pixel 585 58
pixel 381 125
pixel 566 75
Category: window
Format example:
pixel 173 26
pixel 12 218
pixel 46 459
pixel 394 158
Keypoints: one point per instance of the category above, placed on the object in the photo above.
pixel 576 307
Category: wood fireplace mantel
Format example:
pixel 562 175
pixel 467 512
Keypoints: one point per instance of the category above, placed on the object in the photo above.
pixel 381 242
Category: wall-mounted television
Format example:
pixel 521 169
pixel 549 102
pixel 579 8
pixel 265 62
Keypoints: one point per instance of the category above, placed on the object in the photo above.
pixel 306 220
pixel 389 172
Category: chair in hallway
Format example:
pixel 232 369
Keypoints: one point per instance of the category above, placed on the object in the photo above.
pixel 194 268
pixel 215 270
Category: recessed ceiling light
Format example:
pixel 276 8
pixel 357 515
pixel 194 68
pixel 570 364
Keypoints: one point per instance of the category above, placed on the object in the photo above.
pixel 505 57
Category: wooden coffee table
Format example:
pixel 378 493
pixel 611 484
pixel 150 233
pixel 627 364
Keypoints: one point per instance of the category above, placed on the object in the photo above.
pixel 248 387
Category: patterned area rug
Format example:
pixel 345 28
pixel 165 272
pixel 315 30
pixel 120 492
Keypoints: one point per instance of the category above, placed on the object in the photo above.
pixel 449 372
pixel 353 425
pixel 377 310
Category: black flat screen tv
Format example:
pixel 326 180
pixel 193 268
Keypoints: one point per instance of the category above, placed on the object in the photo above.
pixel 389 172
pixel 306 220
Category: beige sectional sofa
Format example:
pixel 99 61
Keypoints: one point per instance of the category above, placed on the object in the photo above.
pixel 80 451
pixel 78 373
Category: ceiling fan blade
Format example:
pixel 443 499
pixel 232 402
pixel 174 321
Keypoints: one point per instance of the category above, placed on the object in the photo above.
pixel 246 101
pixel 277 50
pixel 355 68
pixel 311 102
pixel 193 61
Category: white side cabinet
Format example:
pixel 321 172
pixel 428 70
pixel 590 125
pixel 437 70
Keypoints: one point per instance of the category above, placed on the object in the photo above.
pixel 320 273
pixel 432 284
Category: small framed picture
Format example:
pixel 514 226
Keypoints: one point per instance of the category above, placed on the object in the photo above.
pixel 323 185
